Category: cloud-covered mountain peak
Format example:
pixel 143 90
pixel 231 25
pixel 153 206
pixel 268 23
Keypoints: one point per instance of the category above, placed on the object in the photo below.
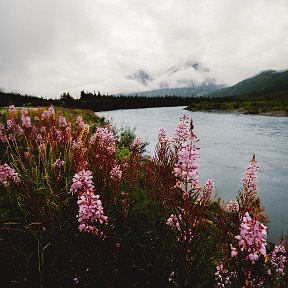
pixel 186 66
pixel 141 76
pixel 190 74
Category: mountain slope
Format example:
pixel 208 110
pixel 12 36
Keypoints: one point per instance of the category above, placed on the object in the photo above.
pixel 266 81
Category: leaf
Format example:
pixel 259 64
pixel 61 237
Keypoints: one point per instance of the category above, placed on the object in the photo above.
pixel 33 223
pixel 46 246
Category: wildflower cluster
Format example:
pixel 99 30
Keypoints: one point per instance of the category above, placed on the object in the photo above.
pixel 181 134
pixel 8 175
pixel 116 172
pixel 136 145
pixel 90 205
pixel 232 207
pixel 252 238
pixel 104 139
pixel 42 129
pixel 173 222
pixel 278 259
pixel 162 136
pixel 187 165
pixel 58 163
pixel 48 114
pixel 248 260
pixel 223 276
pixel 190 201
pixel 250 178
pixel 57 158
pixel 82 125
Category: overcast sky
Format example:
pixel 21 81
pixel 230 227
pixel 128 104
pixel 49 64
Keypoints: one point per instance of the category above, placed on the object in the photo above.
pixel 53 46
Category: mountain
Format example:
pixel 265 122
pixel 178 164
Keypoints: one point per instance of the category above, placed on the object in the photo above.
pixel 266 81
pixel 140 76
pixel 192 90
pixel 186 79
pixel 195 65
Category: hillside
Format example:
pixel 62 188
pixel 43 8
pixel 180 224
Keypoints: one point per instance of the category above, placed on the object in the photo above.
pixel 266 81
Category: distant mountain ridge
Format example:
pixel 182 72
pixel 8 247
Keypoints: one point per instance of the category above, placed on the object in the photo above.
pixel 187 79
pixel 140 76
pixel 266 81
pixel 201 90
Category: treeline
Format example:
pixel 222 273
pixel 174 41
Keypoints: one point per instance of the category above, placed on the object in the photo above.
pixel 98 102
pixel 95 102
pixel 254 103
pixel 19 100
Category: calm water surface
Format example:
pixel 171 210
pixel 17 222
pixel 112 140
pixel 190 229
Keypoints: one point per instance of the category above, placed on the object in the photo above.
pixel 227 143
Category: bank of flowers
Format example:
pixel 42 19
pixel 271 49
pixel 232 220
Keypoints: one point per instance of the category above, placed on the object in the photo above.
pixel 82 206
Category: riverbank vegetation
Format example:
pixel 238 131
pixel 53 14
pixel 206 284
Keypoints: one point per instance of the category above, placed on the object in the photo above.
pixel 82 206
pixel 272 103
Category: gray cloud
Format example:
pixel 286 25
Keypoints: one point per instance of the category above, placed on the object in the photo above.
pixel 49 47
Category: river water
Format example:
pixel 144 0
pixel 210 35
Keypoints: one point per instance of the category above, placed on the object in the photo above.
pixel 227 143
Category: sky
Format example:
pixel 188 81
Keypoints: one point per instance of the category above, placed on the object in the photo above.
pixel 49 47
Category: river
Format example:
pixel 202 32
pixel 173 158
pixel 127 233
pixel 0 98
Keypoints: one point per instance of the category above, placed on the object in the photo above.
pixel 227 143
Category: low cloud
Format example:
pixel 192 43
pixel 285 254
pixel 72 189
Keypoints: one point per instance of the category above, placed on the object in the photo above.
pixel 50 47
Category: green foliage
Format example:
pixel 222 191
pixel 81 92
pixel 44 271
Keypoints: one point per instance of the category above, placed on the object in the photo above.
pixel 122 152
pixel 273 103
pixel 125 137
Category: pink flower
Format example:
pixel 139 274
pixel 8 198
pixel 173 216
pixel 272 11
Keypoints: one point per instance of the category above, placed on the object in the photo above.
pixel 27 155
pixel 26 121
pixel 49 113
pixel 208 186
pixel 90 206
pixel 62 122
pixel 90 211
pixel 105 139
pixel 162 136
pixel 136 145
pixel 58 163
pixel 11 124
pixel 76 145
pixel 116 172
pixel 82 125
pixel 187 165
pixel 252 238
pixel 171 276
pixel 2 135
pixel 223 276
pixel 232 207
pixel 8 175
pixel 250 178
pixel 279 258
pixel 234 252
pixel 12 109
pixel 39 138
pixel 182 130
pixel 76 280
pixel 82 182
pixel 173 222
